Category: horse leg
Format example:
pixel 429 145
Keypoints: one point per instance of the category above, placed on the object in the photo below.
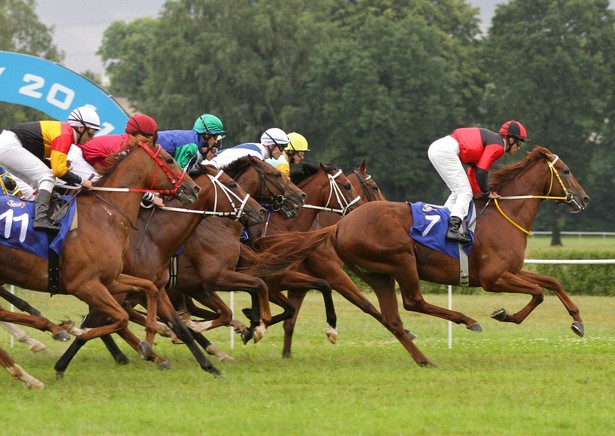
pixel 37 322
pixel 21 336
pixel 166 312
pixel 555 286
pixel 18 372
pixel 384 288
pixel 125 283
pixel 20 304
pixel 211 349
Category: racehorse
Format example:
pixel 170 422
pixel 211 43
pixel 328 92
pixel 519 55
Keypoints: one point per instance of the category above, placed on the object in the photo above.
pixel 103 219
pixel 374 242
pixel 152 248
pixel 323 263
pixel 327 188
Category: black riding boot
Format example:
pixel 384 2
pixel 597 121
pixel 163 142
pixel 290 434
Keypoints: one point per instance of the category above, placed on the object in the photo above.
pixel 454 231
pixel 41 213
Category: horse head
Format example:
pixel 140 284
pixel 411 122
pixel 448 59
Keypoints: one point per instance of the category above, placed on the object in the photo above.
pixel 327 187
pixel 150 168
pixel 542 175
pixel 268 185
pixel 229 196
pixel 364 184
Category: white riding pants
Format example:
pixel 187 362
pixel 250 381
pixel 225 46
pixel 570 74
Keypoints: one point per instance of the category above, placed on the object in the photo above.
pixel 444 156
pixel 23 164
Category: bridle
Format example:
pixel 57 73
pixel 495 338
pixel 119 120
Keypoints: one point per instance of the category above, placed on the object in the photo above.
pixel 369 195
pixel 568 198
pixel 334 189
pixel 237 203
pixel 174 177
pixel 272 201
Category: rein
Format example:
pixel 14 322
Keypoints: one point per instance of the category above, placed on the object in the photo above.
pixel 276 201
pixel 568 198
pixel 339 196
pixel 238 210
pixel 368 192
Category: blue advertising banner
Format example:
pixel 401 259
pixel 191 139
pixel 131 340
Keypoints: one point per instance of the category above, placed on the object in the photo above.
pixel 55 90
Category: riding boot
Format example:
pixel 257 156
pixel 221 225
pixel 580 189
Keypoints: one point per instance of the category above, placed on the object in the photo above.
pixel 454 231
pixel 41 213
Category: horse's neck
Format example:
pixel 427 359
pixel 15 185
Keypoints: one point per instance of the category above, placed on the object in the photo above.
pixel 521 211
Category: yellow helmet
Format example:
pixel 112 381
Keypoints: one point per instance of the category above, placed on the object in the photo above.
pixel 296 142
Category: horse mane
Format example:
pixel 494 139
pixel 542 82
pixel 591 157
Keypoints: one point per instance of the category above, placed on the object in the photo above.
pixel 237 167
pixel 301 171
pixel 113 160
pixel 506 174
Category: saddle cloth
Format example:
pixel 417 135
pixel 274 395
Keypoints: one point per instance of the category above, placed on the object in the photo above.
pixel 431 224
pixel 16 231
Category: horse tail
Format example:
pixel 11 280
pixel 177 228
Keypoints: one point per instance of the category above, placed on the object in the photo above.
pixel 274 255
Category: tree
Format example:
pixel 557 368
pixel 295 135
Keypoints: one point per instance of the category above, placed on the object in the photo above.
pixel 549 63
pixel 21 32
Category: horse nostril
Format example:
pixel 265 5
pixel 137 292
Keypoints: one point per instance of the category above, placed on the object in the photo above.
pixel 303 196
pixel 196 189
pixel 586 199
pixel 262 212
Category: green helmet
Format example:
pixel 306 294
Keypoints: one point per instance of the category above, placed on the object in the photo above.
pixel 209 124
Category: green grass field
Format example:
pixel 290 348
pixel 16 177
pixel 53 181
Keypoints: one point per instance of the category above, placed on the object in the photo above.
pixel 536 378
pixel 573 241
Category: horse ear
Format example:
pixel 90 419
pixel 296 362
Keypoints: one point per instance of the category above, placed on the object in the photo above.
pixel 363 166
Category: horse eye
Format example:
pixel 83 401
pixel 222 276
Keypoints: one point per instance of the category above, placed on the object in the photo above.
pixel 348 186
pixel 170 161
pixel 566 171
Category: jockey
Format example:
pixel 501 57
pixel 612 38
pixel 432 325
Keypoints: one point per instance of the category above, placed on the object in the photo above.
pixel 189 147
pixel 140 128
pixel 24 148
pixel 292 155
pixel 479 148
pixel 273 142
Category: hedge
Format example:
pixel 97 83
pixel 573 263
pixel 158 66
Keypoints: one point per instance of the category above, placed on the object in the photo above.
pixel 576 279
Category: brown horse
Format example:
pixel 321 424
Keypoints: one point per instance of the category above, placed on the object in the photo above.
pixel 151 248
pixel 326 187
pixel 103 219
pixel 374 243
pixel 323 263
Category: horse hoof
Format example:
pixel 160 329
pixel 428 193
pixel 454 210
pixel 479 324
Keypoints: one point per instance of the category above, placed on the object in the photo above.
pixel 499 315
pixel 59 375
pixel 61 336
pixel 226 358
pixel 246 336
pixel 122 360
pixel 259 333
pixel 164 365
pixel 578 328
pixel 35 384
pixel 332 335
pixel 37 346
pixel 426 364
pixel 475 327
pixel 411 335
pixel 145 350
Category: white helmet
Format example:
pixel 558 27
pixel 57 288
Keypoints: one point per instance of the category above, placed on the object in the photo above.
pixel 274 136
pixel 84 116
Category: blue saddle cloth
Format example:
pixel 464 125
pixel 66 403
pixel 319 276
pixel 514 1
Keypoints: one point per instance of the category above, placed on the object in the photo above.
pixel 16 231
pixel 431 224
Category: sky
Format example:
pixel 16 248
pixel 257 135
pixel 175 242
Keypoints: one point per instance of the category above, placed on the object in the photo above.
pixel 79 24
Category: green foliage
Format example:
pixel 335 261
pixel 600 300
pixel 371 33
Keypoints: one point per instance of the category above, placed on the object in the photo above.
pixel 22 32
pixel 577 279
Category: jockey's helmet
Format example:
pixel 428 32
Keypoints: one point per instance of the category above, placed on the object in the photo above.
pixel 141 123
pixel 513 129
pixel 296 142
pixel 84 116
pixel 274 136
pixel 208 124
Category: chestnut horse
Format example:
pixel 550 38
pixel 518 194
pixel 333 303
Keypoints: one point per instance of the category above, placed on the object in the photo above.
pixel 151 248
pixel 327 188
pixel 323 263
pixel 374 243
pixel 102 220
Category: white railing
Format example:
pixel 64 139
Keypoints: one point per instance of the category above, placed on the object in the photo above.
pixel 579 234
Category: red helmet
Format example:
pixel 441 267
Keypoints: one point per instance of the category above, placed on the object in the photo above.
pixel 513 129
pixel 141 123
